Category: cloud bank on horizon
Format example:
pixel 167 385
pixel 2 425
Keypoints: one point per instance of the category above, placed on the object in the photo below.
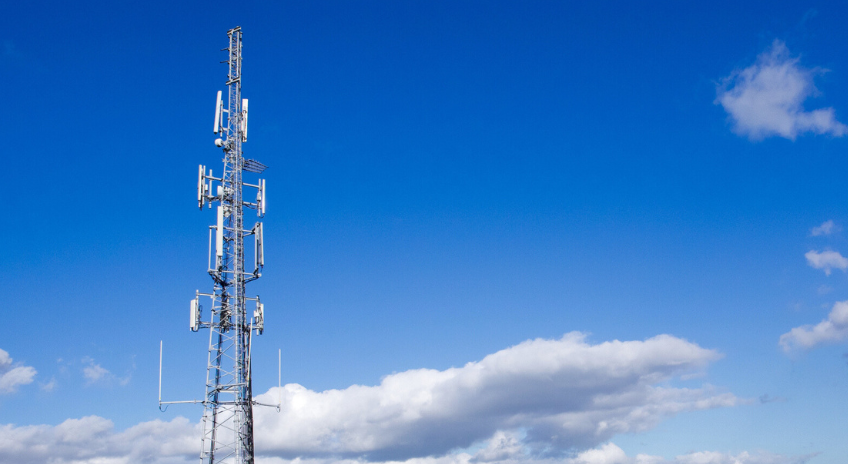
pixel 563 394
pixel 536 401
pixel 767 98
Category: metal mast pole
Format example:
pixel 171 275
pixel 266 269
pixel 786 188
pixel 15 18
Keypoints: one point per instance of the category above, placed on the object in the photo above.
pixel 228 401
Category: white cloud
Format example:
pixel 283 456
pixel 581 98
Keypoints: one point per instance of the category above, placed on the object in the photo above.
pixel 608 453
pixel 766 98
pixel 827 260
pixel 49 386
pixel 96 374
pixel 91 440
pixel 502 445
pixel 561 393
pixel 12 376
pixel 539 402
pixel 826 228
pixel 713 457
pixel 832 329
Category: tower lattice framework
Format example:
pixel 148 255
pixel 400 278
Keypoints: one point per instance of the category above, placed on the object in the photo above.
pixel 228 402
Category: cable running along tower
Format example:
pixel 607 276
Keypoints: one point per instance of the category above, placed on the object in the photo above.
pixel 228 400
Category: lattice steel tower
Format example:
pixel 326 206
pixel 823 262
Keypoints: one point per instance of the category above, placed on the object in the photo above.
pixel 228 401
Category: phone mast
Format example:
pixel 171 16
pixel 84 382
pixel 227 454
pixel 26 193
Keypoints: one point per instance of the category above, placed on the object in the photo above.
pixel 228 400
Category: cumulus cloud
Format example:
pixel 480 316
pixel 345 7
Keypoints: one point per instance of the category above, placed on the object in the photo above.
pixel 714 457
pixel 608 453
pixel 826 228
pixel 766 99
pixel 562 394
pixel 539 402
pixel 826 260
pixel 833 329
pixel 92 440
pixel 12 376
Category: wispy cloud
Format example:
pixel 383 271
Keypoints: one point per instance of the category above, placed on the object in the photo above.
pixel 49 386
pixel 96 374
pixel 826 228
pixel 766 99
pixel 12 376
pixel 765 399
pixel 826 260
pixel 833 329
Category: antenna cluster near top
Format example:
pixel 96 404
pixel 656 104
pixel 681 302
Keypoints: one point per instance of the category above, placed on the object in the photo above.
pixel 219 119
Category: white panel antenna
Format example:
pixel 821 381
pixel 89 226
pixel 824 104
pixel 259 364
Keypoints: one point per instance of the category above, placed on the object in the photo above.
pixel 260 247
pixel 244 120
pixel 219 235
pixel 201 185
pixel 219 105
pixel 259 317
pixel 209 186
pixel 260 199
pixel 194 314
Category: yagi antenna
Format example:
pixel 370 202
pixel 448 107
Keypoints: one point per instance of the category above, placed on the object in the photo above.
pixel 251 165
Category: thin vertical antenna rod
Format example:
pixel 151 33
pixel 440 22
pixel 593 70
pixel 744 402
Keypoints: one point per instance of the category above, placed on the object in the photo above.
pixel 280 377
pixel 160 373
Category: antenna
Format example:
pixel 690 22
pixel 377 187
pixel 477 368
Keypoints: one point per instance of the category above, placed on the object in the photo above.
pixel 279 377
pixel 260 198
pixel 259 248
pixel 263 199
pixel 244 120
pixel 194 312
pixel 218 106
pixel 254 166
pixel 160 373
pixel 259 317
pixel 219 238
pixel 228 402
pixel 201 185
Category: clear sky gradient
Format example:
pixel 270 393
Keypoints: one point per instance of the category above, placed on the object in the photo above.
pixel 446 180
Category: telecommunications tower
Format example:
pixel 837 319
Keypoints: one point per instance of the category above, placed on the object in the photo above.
pixel 228 401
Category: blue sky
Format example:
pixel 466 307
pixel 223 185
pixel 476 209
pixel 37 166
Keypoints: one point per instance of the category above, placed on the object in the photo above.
pixel 448 182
